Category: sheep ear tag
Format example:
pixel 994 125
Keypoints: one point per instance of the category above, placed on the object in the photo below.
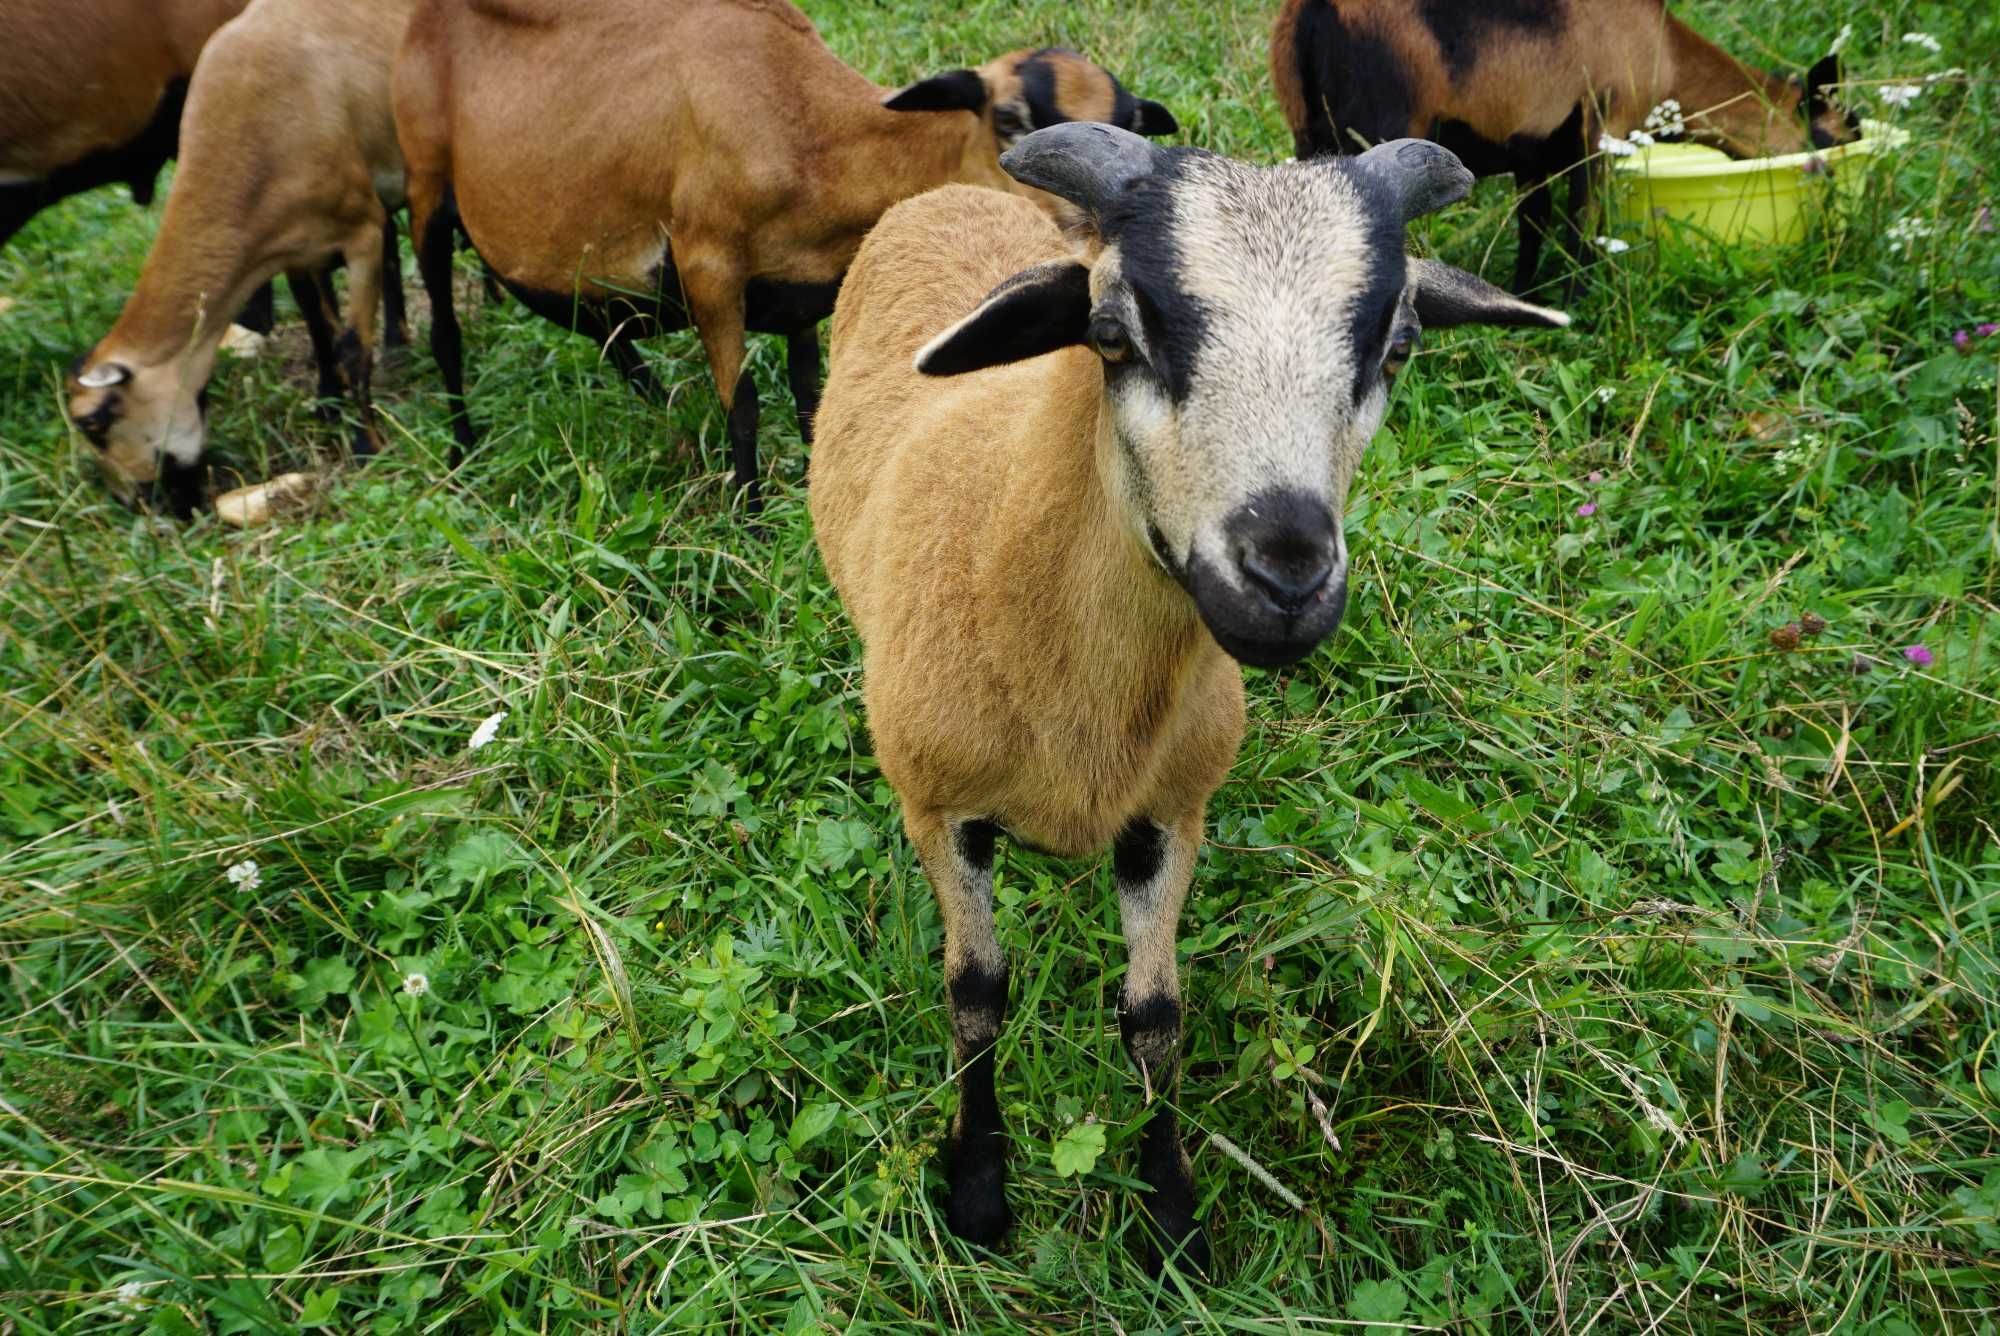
pixel 1036 311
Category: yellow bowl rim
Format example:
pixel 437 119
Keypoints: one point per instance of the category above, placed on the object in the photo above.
pixel 1874 135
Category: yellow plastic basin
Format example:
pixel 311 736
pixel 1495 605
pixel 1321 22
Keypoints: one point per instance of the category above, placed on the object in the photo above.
pixel 1739 200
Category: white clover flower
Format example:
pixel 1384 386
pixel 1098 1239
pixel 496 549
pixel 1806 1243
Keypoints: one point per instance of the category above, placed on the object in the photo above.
pixel 1614 245
pixel 1616 147
pixel 489 728
pixel 415 984
pixel 1899 95
pixel 1924 40
pixel 245 876
pixel 1841 40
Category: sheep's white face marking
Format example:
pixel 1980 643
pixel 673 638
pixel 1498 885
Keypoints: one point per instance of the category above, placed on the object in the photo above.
pixel 1248 314
pixel 137 421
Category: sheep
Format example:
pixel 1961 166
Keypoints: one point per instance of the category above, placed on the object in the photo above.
pixel 91 94
pixel 257 193
pixel 628 167
pixel 1528 86
pixel 1057 562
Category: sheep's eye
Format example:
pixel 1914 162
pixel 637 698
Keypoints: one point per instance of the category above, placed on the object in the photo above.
pixel 1110 339
pixel 1008 123
pixel 1400 347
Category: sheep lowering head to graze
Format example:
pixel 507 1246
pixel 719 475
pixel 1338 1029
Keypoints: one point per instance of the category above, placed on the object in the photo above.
pixel 288 163
pixel 1528 87
pixel 1132 481
pixel 628 167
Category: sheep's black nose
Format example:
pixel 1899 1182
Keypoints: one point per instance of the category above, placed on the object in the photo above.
pixel 1287 546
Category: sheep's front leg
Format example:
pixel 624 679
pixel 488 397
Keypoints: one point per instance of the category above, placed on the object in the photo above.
pixel 713 287
pixel 1153 864
pixel 958 858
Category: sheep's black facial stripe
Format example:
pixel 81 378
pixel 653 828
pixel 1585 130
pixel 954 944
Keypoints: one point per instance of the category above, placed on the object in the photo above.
pixel 1374 309
pixel 1173 320
pixel 1038 86
pixel 1464 30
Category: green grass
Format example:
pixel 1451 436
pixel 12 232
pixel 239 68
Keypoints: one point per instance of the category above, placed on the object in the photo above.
pixel 1644 973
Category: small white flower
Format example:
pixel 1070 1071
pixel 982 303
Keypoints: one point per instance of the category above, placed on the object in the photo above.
pixel 1953 73
pixel 489 728
pixel 416 985
pixel 132 1293
pixel 1907 231
pixel 1924 40
pixel 1641 138
pixel 245 876
pixel 1614 245
pixel 1899 95
pixel 1840 42
pixel 1666 119
pixel 1604 394
pixel 1616 147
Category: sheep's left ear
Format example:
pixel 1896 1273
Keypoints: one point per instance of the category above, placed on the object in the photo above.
pixel 1150 118
pixel 956 90
pixel 1445 296
pixel 1821 77
pixel 1036 311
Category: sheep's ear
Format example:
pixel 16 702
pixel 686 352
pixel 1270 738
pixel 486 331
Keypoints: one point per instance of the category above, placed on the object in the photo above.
pixel 1445 296
pixel 1036 311
pixel 1823 76
pixel 1150 118
pixel 104 375
pixel 957 90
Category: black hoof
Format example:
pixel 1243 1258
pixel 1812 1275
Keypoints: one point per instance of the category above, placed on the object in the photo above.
pixel 976 1210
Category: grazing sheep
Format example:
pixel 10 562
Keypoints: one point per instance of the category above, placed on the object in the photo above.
pixel 91 94
pixel 1057 562
pixel 628 167
pixel 288 163
pixel 1527 87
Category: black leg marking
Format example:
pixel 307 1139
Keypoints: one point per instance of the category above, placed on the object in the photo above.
pixel 743 440
pixel 395 310
pixel 977 1210
pixel 802 371
pixel 258 315
pixel 434 252
pixel 974 842
pixel 357 366
pixel 623 348
pixel 1138 852
pixel 309 291
pixel 1151 1028
pixel 1532 218
pixel 182 487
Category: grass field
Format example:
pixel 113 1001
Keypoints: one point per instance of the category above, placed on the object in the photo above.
pixel 1580 959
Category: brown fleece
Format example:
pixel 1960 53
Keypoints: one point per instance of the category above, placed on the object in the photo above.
pixel 577 137
pixel 257 192
pixel 1618 58
pixel 81 76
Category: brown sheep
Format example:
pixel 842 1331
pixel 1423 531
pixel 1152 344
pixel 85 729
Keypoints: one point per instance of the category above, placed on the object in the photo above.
pixel 257 193
pixel 1057 562
pixel 1528 86
pixel 91 94
pixel 631 166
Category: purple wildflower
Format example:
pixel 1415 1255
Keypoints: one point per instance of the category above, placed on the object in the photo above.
pixel 1987 330
pixel 1920 656
pixel 1961 340
pixel 1594 475
pixel 1587 509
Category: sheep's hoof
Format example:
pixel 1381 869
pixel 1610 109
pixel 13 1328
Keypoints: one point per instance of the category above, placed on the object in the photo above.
pixel 976 1209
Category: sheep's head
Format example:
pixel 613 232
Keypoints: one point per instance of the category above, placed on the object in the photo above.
pixel 145 427
pixel 1024 91
pixel 1250 321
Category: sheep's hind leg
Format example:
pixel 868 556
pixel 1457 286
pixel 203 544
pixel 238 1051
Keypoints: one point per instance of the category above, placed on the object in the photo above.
pixel 310 293
pixel 802 371
pixel 958 858
pixel 1153 864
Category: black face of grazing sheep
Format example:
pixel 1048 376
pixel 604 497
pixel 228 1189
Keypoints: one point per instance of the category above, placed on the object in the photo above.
pixel 1250 321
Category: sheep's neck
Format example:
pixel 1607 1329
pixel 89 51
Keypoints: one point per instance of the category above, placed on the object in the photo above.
pixel 1731 105
pixel 886 156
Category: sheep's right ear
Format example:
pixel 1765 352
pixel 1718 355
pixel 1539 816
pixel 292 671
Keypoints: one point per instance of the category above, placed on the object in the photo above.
pixel 1036 311
pixel 104 375
pixel 1445 296
pixel 957 90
